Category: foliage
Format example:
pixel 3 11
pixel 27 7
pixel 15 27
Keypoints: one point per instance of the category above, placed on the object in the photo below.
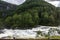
pixel 30 14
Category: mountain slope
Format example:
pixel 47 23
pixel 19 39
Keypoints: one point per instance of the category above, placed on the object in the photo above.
pixel 42 8
pixel 32 13
pixel 34 3
pixel 6 8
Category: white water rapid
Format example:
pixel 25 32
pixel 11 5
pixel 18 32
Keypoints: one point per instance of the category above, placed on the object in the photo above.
pixel 28 33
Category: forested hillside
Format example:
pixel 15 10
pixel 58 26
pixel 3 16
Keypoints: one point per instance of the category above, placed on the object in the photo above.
pixel 30 14
pixel 58 14
pixel 6 9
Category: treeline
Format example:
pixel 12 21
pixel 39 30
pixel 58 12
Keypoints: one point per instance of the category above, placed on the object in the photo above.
pixel 30 14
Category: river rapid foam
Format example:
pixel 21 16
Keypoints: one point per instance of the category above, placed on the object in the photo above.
pixel 28 33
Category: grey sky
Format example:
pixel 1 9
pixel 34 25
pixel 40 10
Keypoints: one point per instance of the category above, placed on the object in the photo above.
pixel 54 2
pixel 18 2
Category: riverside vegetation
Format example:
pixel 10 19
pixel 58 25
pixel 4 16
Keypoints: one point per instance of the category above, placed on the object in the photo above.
pixel 29 14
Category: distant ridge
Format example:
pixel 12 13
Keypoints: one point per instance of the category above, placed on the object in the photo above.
pixel 4 5
pixel 6 8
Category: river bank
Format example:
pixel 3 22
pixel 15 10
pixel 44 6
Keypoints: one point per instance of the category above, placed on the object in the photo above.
pixel 29 39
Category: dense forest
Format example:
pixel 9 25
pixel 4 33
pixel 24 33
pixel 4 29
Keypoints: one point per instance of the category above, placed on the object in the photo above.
pixel 29 14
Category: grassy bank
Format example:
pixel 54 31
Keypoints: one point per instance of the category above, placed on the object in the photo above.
pixel 50 38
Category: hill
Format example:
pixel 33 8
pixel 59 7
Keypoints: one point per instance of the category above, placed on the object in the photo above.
pixel 32 13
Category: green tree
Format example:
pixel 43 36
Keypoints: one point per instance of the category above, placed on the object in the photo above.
pixel 31 13
pixel 8 22
pixel 27 20
pixel 1 24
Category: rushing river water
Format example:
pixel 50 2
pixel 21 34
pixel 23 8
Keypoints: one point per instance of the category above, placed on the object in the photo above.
pixel 29 33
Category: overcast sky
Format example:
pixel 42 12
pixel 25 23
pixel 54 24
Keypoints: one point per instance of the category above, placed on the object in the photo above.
pixel 17 2
pixel 54 2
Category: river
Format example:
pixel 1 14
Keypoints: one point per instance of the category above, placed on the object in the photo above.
pixel 29 33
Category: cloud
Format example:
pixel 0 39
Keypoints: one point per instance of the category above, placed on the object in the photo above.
pixel 59 5
pixel 54 2
pixel 17 2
